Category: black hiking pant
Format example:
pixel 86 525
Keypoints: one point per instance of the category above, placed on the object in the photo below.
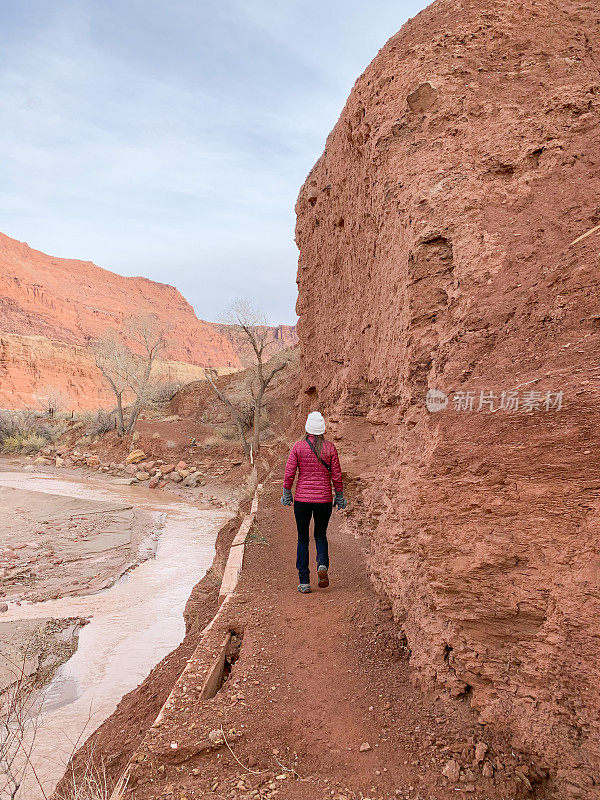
pixel 321 512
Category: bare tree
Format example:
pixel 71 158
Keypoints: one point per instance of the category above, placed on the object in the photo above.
pixel 127 369
pixel 52 400
pixel 149 336
pixel 113 358
pixel 253 324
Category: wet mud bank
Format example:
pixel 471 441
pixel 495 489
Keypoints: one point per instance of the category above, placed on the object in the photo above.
pixel 134 621
pixel 118 738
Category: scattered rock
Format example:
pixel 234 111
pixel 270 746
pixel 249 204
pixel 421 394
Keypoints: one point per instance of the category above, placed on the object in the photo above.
pixel 452 771
pixel 154 481
pixel 142 476
pixel 175 477
pixel 3 607
pixel 135 456
pixel 487 770
pixel 365 747
pixel 192 479
pixel 167 468
pixel 481 749
pixel 216 737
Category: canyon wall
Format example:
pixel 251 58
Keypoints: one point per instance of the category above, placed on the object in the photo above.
pixel 435 240
pixel 51 308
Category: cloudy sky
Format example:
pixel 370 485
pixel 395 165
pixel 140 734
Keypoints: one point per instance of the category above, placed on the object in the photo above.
pixel 169 138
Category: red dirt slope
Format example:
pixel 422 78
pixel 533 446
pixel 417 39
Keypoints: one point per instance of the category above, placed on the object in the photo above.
pixel 434 239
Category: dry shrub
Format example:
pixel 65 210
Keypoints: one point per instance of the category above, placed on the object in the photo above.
pixel 23 432
pixel 100 423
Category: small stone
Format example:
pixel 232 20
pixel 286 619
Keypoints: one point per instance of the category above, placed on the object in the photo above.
pixel 487 770
pixel 154 481
pixel 142 476
pixel 481 749
pixel 365 747
pixel 216 736
pixel 452 770
pixel 3 608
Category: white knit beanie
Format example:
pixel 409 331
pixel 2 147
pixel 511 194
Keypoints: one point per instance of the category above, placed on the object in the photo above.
pixel 315 423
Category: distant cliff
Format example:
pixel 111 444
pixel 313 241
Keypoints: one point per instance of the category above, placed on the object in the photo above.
pixel 278 338
pixel 64 302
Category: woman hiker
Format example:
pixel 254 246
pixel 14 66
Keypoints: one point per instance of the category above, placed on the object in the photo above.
pixel 317 463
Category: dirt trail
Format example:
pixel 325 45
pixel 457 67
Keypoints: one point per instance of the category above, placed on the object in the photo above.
pixel 320 677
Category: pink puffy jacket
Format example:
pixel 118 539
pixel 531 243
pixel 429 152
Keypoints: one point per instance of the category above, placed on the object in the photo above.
pixel 314 480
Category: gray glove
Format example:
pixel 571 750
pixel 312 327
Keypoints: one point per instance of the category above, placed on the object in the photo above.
pixel 287 498
pixel 340 501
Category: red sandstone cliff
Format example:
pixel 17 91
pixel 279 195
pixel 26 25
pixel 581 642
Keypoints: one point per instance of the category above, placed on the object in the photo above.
pixel 71 301
pixel 63 304
pixel 434 241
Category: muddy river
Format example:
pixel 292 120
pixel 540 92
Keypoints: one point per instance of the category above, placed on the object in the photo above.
pixel 133 624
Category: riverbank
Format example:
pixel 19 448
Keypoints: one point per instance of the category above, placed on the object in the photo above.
pixel 319 702
pixel 136 614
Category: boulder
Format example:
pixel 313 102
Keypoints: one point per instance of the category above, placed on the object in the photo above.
pixel 142 476
pixel 167 468
pixel 154 481
pixel 192 479
pixel 175 477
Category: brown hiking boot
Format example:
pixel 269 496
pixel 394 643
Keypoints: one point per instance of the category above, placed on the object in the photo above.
pixel 323 577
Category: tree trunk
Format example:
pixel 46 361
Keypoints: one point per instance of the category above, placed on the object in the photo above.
pixel 257 411
pixel 120 421
pixel 135 412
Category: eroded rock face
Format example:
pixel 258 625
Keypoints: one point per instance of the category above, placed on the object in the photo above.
pixel 434 241
pixel 66 302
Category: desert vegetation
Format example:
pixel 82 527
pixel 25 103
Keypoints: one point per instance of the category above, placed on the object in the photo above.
pixel 27 432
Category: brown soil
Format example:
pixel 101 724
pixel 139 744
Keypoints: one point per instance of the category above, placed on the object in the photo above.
pixel 318 676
